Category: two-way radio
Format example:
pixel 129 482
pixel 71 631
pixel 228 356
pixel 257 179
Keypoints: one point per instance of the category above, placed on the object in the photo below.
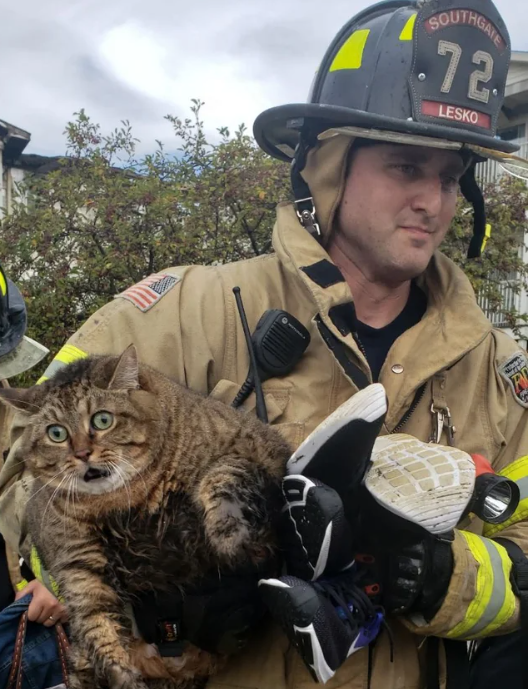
pixel 275 348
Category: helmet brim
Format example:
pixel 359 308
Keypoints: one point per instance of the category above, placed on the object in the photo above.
pixel 23 357
pixel 16 319
pixel 278 130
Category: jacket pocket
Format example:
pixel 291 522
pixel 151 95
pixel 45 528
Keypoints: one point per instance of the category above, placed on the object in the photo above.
pixel 276 397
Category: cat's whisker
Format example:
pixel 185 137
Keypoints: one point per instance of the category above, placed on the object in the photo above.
pixel 139 474
pixel 52 497
pixel 66 505
pixel 72 493
pixel 66 512
pixel 125 485
pixel 68 495
pixel 75 488
pixel 15 464
pixel 30 479
pixel 126 482
pixel 62 471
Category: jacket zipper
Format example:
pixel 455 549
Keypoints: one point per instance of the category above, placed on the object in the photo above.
pixel 417 398
pixel 416 401
pixel 355 336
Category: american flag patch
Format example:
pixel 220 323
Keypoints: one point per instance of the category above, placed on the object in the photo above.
pixel 146 293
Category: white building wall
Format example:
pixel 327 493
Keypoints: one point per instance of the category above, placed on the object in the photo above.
pixel 516 73
pixel 11 177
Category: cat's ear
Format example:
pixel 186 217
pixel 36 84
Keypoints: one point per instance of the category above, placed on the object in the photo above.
pixel 23 399
pixel 126 373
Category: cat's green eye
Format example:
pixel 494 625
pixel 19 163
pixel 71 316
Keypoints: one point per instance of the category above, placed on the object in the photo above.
pixel 57 433
pixel 102 420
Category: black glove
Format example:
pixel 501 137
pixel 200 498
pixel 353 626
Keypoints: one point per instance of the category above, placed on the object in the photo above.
pixel 217 614
pixel 412 567
pixel 415 577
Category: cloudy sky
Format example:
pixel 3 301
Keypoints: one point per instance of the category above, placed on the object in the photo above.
pixel 142 59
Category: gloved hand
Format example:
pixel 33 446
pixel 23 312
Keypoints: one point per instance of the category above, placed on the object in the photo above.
pixel 398 564
pixel 416 578
pixel 217 614
pixel 412 567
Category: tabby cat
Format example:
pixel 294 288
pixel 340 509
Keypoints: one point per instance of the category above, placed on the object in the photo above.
pixel 140 484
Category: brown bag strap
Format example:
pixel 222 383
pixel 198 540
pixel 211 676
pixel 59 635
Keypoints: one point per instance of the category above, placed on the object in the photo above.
pixel 15 676
pixel 63 645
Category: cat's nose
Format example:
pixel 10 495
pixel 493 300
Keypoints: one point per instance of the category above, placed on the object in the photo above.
pixel 83 454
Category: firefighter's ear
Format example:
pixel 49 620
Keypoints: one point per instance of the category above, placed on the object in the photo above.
pixel 126 372
pixel 27 400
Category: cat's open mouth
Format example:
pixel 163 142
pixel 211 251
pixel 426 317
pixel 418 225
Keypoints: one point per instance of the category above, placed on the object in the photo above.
pixel 93 473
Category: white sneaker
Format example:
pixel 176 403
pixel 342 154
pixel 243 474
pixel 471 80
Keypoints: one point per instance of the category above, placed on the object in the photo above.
pixel 430 485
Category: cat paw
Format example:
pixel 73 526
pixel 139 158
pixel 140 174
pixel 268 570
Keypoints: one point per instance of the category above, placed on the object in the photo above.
pixel 233 540
pixel 120 677
pixel 81 673
pixel 79 682
pixel 227 530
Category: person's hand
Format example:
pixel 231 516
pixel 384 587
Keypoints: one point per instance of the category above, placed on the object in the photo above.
pixel 412 567
pixel 44 607
pixel 415 576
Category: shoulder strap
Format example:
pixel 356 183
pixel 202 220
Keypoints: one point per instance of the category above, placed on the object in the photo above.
pixel 14 680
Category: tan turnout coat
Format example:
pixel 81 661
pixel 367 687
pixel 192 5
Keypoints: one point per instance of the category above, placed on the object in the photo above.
pixel 193 333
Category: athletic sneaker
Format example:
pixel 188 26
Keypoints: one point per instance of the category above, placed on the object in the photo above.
pixel 315 534
pixel 406 472
pixel 401 476
pixel 337 452
pixel 327 621
pixel 333 460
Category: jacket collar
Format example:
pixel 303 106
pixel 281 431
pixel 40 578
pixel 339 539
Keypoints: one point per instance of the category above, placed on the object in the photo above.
pixel 453 324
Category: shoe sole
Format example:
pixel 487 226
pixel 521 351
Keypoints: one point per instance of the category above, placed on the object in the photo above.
pixel 427 484
pixel 349 431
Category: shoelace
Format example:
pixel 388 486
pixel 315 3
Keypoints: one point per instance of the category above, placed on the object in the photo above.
pixel 344 594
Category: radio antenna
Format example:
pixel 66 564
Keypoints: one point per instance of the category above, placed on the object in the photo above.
pixel 262 412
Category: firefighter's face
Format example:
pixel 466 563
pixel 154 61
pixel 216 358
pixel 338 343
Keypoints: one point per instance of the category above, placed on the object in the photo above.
pixel 397 206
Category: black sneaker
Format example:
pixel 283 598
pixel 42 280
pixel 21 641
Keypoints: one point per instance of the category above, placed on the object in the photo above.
pixel 327 621
pixel 334 459
pixel 316 537
pixel 338 451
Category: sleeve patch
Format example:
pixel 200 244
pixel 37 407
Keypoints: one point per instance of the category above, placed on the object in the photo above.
pixel 515 372
pixel 149 291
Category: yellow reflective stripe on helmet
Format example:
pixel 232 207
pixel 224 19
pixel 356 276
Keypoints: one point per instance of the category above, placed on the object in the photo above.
pixel 65 356
pixel 516 471
pixel 3 284
pixel 42 575
pixel 350 55
pixel 494 601
pixel 407 31
pixel 486 237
